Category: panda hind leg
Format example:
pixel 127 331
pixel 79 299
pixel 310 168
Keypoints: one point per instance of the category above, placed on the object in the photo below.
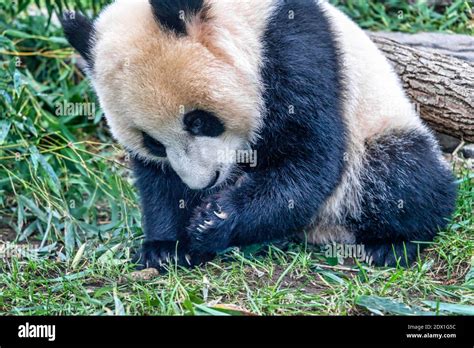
pixel 408 195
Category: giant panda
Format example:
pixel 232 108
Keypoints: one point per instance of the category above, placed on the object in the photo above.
pixel 342 155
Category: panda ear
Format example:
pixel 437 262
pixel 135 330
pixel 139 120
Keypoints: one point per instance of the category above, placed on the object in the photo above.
pixel 173 13
pixel 79 31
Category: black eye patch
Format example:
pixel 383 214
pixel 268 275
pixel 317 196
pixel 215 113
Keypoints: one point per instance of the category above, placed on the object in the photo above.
pixel 203 123
pixel 153 145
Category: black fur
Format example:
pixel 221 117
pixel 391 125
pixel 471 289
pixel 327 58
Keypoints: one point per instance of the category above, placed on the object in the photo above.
pixel 166 201
pixel 162 254
pixel 408 196
pixel 166 204
pixel 300 152
pixel 153 145
pixel 167 12
pixel 79 31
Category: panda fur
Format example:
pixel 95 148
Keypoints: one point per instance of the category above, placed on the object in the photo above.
pixel 343 156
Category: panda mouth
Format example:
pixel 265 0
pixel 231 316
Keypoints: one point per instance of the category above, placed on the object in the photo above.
pixel 213 182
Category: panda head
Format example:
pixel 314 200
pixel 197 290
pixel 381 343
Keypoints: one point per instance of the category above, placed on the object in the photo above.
pixel 171 89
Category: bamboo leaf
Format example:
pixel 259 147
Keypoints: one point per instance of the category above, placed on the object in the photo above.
pixel 379 305
pixel 119 308
pixel 4 129
pixel 452 308
pixel 78 256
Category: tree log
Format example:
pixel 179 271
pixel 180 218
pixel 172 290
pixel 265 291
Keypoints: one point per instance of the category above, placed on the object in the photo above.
pixel 442 87
pixel 459 46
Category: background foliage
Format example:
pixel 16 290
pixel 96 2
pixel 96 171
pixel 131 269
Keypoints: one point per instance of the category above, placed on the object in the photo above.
pixel 67 194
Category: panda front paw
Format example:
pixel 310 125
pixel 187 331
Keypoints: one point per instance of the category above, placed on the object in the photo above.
pixel 162 254
pixel 211 227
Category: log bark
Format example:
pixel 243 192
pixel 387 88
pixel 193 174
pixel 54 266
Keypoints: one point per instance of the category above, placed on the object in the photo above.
pixel 442 87
pixel 459 46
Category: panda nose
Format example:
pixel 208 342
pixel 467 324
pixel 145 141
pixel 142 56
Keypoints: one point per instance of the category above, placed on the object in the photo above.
pixel 213 181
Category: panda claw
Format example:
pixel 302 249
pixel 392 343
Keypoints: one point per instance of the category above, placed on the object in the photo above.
pixel 368 259
pixel 209 222
pixel 221 215
pixel 202 227
pixel 187 257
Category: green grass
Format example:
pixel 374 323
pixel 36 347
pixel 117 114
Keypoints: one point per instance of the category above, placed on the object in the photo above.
pixel 397 15
pixel 67 193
